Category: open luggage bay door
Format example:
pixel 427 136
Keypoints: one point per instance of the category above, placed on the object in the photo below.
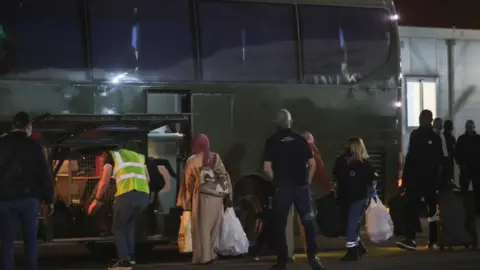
pixel 75 145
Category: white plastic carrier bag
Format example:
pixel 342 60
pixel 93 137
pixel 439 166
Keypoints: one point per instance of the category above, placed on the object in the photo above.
pixel 231 240
pixel 185 233
pixel 379 222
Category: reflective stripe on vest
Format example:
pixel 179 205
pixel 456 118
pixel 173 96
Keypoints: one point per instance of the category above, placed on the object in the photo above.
pixel 130 172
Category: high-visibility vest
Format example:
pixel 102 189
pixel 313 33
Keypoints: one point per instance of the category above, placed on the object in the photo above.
pixel 129 172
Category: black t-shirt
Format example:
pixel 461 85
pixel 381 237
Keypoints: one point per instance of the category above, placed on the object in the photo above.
pixel 289 153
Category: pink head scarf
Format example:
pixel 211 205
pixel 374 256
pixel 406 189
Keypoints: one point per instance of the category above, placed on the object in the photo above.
pixel 201 144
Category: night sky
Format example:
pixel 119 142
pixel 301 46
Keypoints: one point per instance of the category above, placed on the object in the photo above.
pixel 463 14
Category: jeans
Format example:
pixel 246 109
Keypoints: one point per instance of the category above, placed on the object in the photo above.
pixel 126 209
pixel 354 215
pixel 11 212
pixel 299 196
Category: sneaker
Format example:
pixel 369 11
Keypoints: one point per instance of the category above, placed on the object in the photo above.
pixel 407 244
pixel 256 258
pixel 132 260
pixel 315 264
pixel 291 258
pixel 432 246
pixel 121 265
pixel 351 255
pixel 362 250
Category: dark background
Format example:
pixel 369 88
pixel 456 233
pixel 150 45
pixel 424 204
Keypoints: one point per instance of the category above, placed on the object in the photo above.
pixel 463 14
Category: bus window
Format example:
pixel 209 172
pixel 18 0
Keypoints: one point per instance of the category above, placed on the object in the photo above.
pixel 42 35
pixel 248 41
pixel 151 37
pixel 343 44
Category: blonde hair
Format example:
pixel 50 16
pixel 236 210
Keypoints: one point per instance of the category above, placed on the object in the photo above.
pixel 357 148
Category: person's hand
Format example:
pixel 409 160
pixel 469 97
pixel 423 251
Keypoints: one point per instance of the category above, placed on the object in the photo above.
pixel 47 210
pixel 94 206
pixel 165 189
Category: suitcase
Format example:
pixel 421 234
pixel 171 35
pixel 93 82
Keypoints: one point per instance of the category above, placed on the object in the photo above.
pixel 453 217
pixel 328 217
pixel 397 206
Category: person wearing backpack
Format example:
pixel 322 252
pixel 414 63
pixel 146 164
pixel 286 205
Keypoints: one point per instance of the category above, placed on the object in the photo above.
pixel 354 177
pixel 25 182
pixel 205 192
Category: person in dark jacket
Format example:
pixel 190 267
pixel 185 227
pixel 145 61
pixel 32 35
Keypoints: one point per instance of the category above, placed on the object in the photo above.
pixel 468 158
pixel 355 181
pixel 450 141
pixel 446 175
pixel 25 181
pixel 421 176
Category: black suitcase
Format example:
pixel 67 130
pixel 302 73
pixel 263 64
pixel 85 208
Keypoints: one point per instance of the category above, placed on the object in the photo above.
pixel 397 206
pixel 453 220
pixel 328 217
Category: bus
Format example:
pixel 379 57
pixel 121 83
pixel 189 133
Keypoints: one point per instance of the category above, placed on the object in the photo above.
pixel 98 72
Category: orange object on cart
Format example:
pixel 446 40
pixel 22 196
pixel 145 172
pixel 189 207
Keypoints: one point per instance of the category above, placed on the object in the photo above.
pixel 99 165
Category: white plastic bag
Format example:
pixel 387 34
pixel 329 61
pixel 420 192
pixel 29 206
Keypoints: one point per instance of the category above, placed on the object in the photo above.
pixel 231 240
pixel 185 233
pixel 379 222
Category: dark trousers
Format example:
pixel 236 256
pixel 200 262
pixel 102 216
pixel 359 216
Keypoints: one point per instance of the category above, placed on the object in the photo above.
pixel 414 197
pixel 12 213
pixel 283 200
pixel 471 177
pixel 126 209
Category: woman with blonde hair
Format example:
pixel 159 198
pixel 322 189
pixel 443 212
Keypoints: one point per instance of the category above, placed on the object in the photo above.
pixel 355 181
pixel 205 197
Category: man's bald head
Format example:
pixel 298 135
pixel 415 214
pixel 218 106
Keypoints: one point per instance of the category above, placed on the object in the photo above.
pixel 308 136
pixel 284 119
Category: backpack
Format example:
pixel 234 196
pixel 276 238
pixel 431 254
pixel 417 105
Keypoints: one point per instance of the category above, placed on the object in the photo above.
pixel 209 176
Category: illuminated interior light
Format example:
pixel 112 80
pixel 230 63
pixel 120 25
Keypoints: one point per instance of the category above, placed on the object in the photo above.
pixel 398 104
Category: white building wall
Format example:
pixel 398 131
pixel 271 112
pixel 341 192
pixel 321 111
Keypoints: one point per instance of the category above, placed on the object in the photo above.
pixel 424 53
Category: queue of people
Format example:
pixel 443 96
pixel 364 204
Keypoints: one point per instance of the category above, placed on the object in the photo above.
pixel 291 162
pixel 429 169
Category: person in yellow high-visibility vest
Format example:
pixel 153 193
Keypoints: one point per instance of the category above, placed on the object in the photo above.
pixel 131 199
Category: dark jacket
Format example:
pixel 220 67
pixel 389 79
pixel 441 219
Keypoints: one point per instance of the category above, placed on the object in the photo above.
pixel 451 141
pixel 424 159
pixel 353 178
pixel 467 153
pixel 24 171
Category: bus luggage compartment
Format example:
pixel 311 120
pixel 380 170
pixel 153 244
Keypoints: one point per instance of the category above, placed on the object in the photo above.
pixel 74 147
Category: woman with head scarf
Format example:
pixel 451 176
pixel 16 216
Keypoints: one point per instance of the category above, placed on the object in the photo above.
pixel 203 192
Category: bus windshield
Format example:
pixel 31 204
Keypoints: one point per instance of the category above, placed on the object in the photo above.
pixel 343 44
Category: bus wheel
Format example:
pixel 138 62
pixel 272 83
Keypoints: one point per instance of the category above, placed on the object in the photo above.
pixel 102 251
pixel 247 209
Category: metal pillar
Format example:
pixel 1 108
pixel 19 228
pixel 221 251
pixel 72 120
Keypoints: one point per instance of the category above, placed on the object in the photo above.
pixel 451 76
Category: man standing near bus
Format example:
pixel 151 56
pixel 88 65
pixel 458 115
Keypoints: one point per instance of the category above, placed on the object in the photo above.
pixel 128 169
pixel 25 181
pixel 289 163
pixel 421 176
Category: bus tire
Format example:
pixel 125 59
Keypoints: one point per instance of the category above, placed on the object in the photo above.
pixel 250 195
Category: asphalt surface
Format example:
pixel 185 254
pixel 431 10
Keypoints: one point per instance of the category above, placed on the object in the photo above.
pixel 379 257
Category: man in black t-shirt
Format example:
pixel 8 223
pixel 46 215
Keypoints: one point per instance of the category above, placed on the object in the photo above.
pixel 289 162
